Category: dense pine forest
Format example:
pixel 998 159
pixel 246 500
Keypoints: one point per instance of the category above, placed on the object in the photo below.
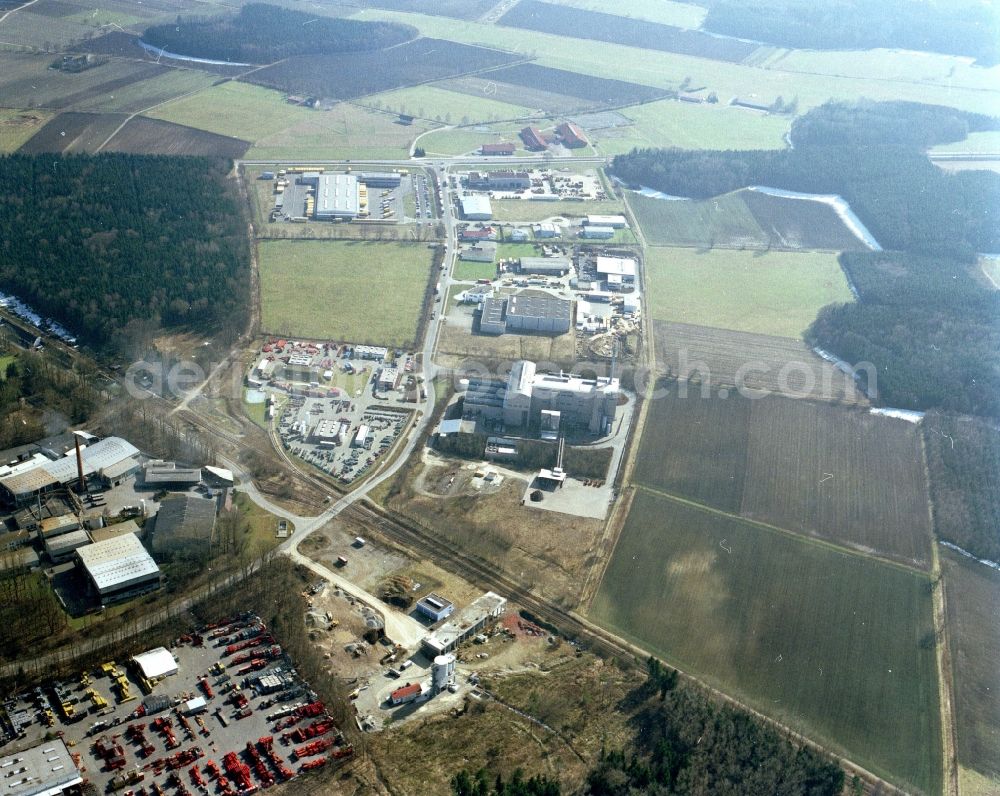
pixel 924 319
pixel 953 28
pixel 262 34
pixel 963 455
pixel 684 744
pixel 111 243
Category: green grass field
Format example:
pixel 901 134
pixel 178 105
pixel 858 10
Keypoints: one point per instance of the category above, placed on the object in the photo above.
pixel 526 210
pixel 465 270
pixel 338 290
pixel 833 644
pixel 235 109
pixel 670 123
pixel 343 132
pixel 973 599
pixel 449 107
pixel 776 293
pixel 16 127
pixel 952 81
pixel 464 141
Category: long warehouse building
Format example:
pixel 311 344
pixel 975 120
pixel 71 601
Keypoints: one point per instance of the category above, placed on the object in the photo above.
pixel 119 568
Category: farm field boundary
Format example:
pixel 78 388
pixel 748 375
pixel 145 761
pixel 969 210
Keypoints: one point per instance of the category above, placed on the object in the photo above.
pixel 827 642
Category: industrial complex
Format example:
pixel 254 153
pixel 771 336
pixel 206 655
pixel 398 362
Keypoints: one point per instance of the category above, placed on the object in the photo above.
pixel 581 403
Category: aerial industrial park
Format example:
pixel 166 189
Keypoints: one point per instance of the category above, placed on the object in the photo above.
pixel 518 398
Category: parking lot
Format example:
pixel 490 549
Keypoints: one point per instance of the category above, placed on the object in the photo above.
pixel 337 436
pixel 234 717
pixel 422 196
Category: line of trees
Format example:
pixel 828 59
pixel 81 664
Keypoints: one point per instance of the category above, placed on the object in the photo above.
pixel 262 33
pixel 924 318
pixel 956 28
pixel 102 242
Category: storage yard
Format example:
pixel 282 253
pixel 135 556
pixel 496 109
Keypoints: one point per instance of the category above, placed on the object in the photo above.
pixel 222 711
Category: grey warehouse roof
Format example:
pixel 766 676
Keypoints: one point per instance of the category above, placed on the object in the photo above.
pixel 117 563
pixel 43 770
pixel 539 307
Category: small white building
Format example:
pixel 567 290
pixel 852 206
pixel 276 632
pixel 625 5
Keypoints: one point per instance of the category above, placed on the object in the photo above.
pixel 435 607
pixel 407 693
pixel 615 222
pixel 597 233
pixel 546 230
pixel 388 379
pixel 156 663
pixel 517 235
pixel 361 437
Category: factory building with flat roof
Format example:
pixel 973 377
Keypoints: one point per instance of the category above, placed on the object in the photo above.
pixel 338 197
pixel 481 252
pixel 616 222
pixel 583 403
pixel 476 208
pixel 119 568
pixel 43 770
pixel 500 180
pixel 520 313
pixel 111 459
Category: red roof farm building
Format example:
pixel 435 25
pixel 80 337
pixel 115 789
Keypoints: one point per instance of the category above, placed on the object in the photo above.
pixel 533 139
pixel 571 135
pixel 497 149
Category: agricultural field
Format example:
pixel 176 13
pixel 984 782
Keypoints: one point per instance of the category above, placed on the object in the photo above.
pixel 156 137
pixel 346 131
pixel 148 93
pixel 836 473
pixel 839 473
pixel 418 61
pixel 16 127
pixel 441 105
pixel 671 123
pixel 744 219
pixel 568 21
pixel 596 90
pixel 539 99
pixel 728 80
pixel 528 211
pixel 317 290
pixel 26 81
pixel 666 12
pixel 834 644
pixel 74 132
pixel 972 596
pixel 756 361
pixel 771 293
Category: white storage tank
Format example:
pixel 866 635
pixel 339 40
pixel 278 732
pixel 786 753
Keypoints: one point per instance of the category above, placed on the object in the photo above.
pixel 443 672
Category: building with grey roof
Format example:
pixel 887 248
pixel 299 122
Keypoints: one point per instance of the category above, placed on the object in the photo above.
pixel 43 770
pixel 119 568
pixel 182 520
pixel 544 266
pixel 165 475
pixel 61 548
pixel 521 313
pixel 470 620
